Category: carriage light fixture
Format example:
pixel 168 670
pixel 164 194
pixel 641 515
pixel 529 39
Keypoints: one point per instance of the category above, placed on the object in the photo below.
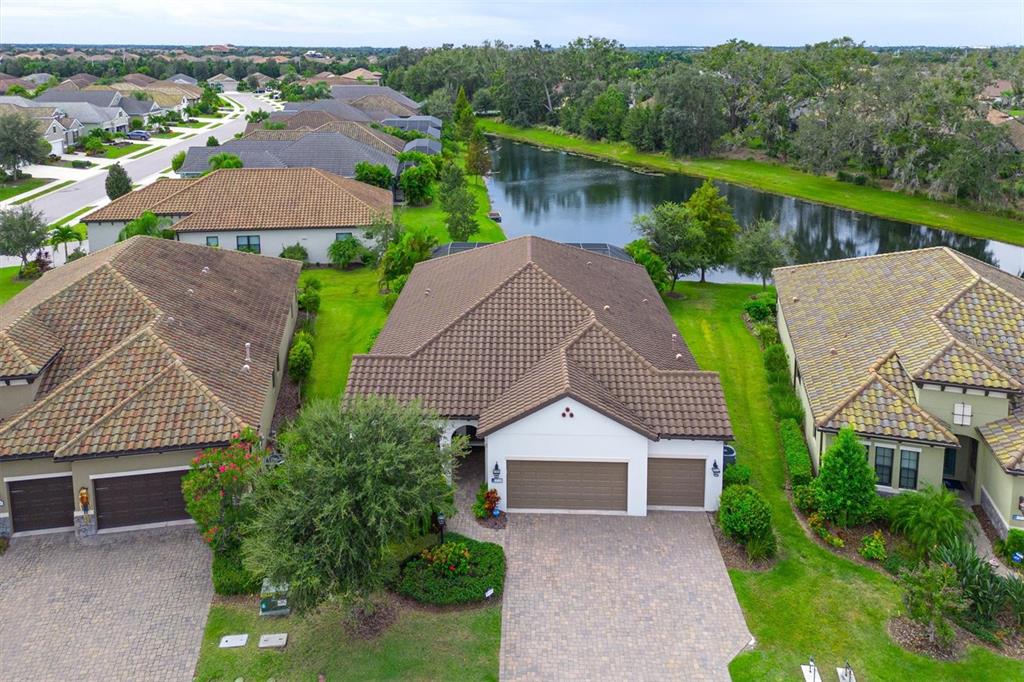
pixel 715 471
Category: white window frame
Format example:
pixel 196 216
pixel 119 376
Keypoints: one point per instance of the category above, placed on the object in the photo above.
pixel 962 414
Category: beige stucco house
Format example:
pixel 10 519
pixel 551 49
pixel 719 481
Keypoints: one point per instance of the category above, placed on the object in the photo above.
pixel 118 368
pixel 922 353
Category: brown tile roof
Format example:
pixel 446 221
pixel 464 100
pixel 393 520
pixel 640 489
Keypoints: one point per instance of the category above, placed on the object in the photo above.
pixel 361 132
pixel 307 119
pixel 150 337
pixel 864 328
pixel 500 331
pixel 383 103
pixel 256 198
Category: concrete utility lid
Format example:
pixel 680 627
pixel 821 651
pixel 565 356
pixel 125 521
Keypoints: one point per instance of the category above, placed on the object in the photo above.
pixel 274 641
pixel 233 641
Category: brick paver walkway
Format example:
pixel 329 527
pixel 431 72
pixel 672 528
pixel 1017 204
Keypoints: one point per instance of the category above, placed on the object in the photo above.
pixel 617 598
pixel 126 606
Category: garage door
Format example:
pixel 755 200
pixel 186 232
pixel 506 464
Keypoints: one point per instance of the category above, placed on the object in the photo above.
pixel 567 485
pixel 134 500
pixel 675 482
pixel 40 503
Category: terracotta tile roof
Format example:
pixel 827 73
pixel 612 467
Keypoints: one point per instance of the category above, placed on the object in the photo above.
pixel 256 198
pixel 151 337
pixel 499 331
pixel 1006 438
pixel 383 103
pixel 324 122
pixel 931 315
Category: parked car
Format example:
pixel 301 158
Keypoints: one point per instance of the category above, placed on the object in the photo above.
pixel 138 135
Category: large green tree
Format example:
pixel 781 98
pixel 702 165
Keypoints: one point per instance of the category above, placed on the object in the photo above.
pixel 465 121
pixel 478 158
pixel 401 255
pixel 22 232
pixel 458 204
pixel 20 142
pixel 356 479
pixel 671 234
pixel 117 183
pixel 761 248
pixel 711 216
pixel 642 253
pixel 845 486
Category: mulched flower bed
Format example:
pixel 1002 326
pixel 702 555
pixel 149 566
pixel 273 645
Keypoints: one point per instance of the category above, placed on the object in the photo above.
pixel 368 623
pixel 990 532
pixel 733 553
pixel 913 637
pixel 289 400
pixel 494 522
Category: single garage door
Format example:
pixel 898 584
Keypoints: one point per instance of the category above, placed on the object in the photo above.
pixel 144 498
pixel 675 482
pixel 40 503
pixel 567 485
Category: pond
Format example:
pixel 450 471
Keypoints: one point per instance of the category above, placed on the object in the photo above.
pixel 571 198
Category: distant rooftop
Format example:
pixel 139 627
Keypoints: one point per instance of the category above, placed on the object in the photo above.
pixel 609 250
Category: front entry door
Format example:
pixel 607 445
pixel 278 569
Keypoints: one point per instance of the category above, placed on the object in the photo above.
pixel 949 463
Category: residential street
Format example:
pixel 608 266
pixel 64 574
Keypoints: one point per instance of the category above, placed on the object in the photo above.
pixel 91 190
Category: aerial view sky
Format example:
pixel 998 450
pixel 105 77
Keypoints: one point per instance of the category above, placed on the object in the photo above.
pixel 389 23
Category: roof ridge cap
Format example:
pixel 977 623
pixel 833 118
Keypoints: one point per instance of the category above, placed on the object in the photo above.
pixel 63 386
pixel 888 254
pixel 465 313
pixel 971 350
pixel 13 345
pixel 920 410
pixel 112 411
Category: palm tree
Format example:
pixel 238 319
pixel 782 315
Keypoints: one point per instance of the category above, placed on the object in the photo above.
pixel 64 234
pixel 224 160
pixel 147 225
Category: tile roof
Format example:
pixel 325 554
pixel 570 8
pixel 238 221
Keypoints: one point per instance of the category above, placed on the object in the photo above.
pixel 502 330
pixel 382 103
pixel 255 198
pixel 864 328
pixel 325 122
pixel 150 341
pixel 351 92
pixel 1006 438
pixel 332 152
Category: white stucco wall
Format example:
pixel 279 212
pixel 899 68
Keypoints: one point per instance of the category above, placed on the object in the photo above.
pixel 103 234
pixel 589 436
pixel 316 241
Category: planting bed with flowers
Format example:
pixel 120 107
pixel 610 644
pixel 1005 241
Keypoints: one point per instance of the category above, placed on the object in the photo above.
pixel 459 571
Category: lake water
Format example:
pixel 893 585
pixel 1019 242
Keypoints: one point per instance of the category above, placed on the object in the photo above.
pixel 570 198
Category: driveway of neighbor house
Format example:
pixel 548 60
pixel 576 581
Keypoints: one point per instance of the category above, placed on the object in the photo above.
pixel 617 597
pixel 125 606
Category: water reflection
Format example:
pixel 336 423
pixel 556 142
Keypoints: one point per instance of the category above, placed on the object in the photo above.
pixel 571 198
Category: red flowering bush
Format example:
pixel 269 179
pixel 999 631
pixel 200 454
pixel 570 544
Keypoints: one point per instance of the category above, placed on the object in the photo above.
pixel 449 559
pixel 215 485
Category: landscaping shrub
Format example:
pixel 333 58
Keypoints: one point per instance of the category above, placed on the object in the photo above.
pixel 429 578
pixel 778 377
pixel 76 253
pixel 895 563
pixel 30 270
pixel 983 589
pixel 309 300
pixel 804 498
pixel 762 547
pixel 1013 543
pixel 230 576
pixel 486 501
pixel 758 310
pixel 785 403
pixel 177 160
pixel 768 334
pixel 845 486
pixel 313 283
pixel 81 163
pixel 933 599
pixel 775 359
pixel 928 518
pixel 300 360
pixel 743 513
pixel 736 474
pixel 295 252
pixel 819 525
pixel 4 544
pixel 1014 588
pixel 872 547
pixel 798 458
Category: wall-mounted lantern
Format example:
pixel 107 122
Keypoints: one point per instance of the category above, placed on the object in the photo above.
pixel 83 499
pixel 496 474
pixel 715 471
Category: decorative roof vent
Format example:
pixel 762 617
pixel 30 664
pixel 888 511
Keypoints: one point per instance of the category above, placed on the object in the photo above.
pixel 833 351
pixel 426 292
pixel 246 369
pixel 679 356
pixel 248 355
pixel 644 301
pixel 191 292
pixel 206 270
pixel 607 307
pixel 796 299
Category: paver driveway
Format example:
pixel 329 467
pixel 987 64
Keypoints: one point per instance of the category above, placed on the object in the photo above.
pixel 617 597
pixel 127 606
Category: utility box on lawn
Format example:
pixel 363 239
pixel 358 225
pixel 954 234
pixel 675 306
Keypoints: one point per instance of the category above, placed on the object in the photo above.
pixel 274 599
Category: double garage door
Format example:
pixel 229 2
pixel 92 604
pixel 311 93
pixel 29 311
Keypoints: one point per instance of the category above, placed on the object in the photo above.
pixel 49 503
pixel 601 486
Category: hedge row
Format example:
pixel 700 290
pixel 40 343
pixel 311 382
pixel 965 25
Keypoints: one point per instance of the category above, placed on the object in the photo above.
pixel 798 459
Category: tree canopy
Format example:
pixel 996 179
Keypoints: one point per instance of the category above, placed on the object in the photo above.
pixel 22 231
pixel 117 183
pixel 147 225
pixel 760 248
pixel 20 142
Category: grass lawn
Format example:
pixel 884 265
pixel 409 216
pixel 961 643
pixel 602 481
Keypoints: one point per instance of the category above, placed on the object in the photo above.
pixel 780 179
pixel 148 151
pixel 51 188
pixel 13 189
pixel 118 152
pixel 191 124
pixel 421 645
pixel 351 312
pixel 9 286
pixel 432 217
pixel 71 216
pixel 811 602
pixel 1017 113
pixel 166 136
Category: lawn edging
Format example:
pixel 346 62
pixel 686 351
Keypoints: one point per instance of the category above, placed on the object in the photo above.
pixel 783 180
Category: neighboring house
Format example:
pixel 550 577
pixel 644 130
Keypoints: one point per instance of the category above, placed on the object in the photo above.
pixel 79 81
pixel 922 353
pixel 262 81
pixel 183 79
pixel 102 96
pixel 8 83
pixel 569 367
pixel 362 75
pixel 255 209
pixel 223 83
pixel 428 125
pixel 58 130
pixel 324 122
pixel 119 368
pixel 379 107
pixel 347 93
pixel 338 109
pixel 996 90
pixel 139 79
pixel 331 152
pixel 1014 128
pixel 79 104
